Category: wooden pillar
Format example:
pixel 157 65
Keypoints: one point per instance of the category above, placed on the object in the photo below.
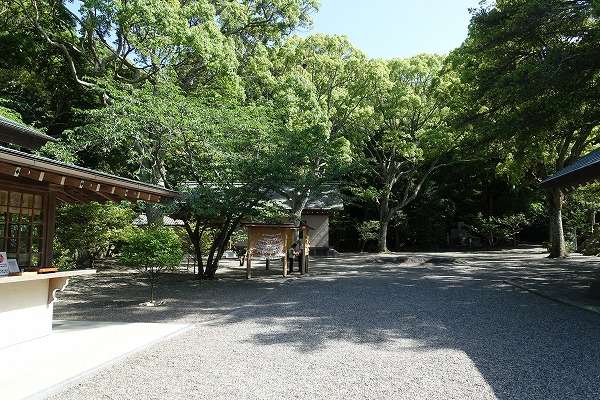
pixel 49 230
pixel 285 250
pixel 249 256
pixel 267 263
pixel 305 250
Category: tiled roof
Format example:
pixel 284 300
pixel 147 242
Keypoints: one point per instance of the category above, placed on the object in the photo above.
pixel 584 170
pixel 16 133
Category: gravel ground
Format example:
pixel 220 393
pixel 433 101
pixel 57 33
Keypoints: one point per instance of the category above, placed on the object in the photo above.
pixel 428 326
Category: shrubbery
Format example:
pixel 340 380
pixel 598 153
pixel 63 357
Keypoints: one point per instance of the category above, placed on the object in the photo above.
pixel 495 229
pixel 88 232
pixel 151 251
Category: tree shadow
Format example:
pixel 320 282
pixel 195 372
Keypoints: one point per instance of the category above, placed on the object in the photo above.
pixel 524 346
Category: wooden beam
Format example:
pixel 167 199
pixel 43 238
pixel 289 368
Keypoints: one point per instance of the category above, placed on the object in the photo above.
pixel 106 197
pixel 88 195
pixel 55 178
pixel 71 197
pixel 80 195
pixel 115 193
pixel 62 196
pixel 31 174
pixel 9 169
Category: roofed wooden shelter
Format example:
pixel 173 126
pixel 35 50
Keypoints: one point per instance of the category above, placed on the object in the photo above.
pixel 30 187
pixel 273 241
pixel 583 171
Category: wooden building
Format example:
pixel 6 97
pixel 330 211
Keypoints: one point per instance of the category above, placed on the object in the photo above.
pixel 30 189
pixel 31 186
pixel 583 171
pixel 320 206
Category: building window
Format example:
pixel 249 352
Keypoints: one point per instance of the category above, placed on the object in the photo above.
pixel 22 227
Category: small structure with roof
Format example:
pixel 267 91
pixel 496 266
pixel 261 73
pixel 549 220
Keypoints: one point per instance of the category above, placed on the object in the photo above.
pixel 30 188
pixel 321 204
pixel 585 170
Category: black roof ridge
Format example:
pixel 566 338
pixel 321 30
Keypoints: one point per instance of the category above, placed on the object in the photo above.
pixel 25 129
pixel 589 160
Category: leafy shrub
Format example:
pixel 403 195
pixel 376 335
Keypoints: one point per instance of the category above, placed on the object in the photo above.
pixel 87 232
pixel 151 251
pixel 505 228
pixel 367 231
pixel 591 247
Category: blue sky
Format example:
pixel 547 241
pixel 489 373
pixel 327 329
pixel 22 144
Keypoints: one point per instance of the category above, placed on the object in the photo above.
pixel 397 28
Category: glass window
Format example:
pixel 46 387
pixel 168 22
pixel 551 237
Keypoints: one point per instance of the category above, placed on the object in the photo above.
pixel 15 199
pixel 22 227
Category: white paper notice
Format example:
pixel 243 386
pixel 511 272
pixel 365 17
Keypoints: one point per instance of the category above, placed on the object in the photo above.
pixel 3 264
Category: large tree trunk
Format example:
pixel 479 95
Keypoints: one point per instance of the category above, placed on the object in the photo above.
pixel 382 240
pixel 219 246
pixel 385 215
pixel 195 236
pixel 298 204
pixel 557 236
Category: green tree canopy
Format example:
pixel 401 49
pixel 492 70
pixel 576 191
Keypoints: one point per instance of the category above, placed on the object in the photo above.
pixel 530 69
pixel 406 135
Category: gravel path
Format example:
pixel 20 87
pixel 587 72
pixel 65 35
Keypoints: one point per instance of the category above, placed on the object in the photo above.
pixel 361 328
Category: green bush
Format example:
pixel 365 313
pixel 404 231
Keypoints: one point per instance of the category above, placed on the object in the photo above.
pixel 151 251
pixel 591 247
pixel 367 231
pixel 87 232
pixel 506 228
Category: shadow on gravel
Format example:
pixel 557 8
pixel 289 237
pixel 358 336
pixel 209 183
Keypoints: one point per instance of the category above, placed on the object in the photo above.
pixel 524 346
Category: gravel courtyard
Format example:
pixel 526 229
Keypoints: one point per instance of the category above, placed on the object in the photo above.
pixel 401 326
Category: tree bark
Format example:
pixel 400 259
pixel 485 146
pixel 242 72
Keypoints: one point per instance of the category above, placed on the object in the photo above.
pixel 195 236
pixel 385 215
pixel 558 248
pixel 219 246
pixel 382 240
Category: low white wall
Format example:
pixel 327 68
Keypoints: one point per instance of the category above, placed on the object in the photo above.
pixel 24 311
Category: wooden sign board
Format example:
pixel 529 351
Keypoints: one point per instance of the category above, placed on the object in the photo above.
pixel 270 245
pixel 269 242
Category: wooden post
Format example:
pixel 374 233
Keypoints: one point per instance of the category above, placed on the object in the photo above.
pixel 285 250
pixel 305 250
pixel 267 262
pixel 248 265
pixel 49 230
pixel 249 256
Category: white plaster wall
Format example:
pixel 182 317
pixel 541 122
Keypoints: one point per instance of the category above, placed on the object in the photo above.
pixel 319 232
pixel 24 312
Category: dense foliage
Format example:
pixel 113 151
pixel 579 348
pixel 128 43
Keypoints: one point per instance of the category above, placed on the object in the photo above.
pixel 220 100
pixel 86 233
pixel 531 72
pixel 151 251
